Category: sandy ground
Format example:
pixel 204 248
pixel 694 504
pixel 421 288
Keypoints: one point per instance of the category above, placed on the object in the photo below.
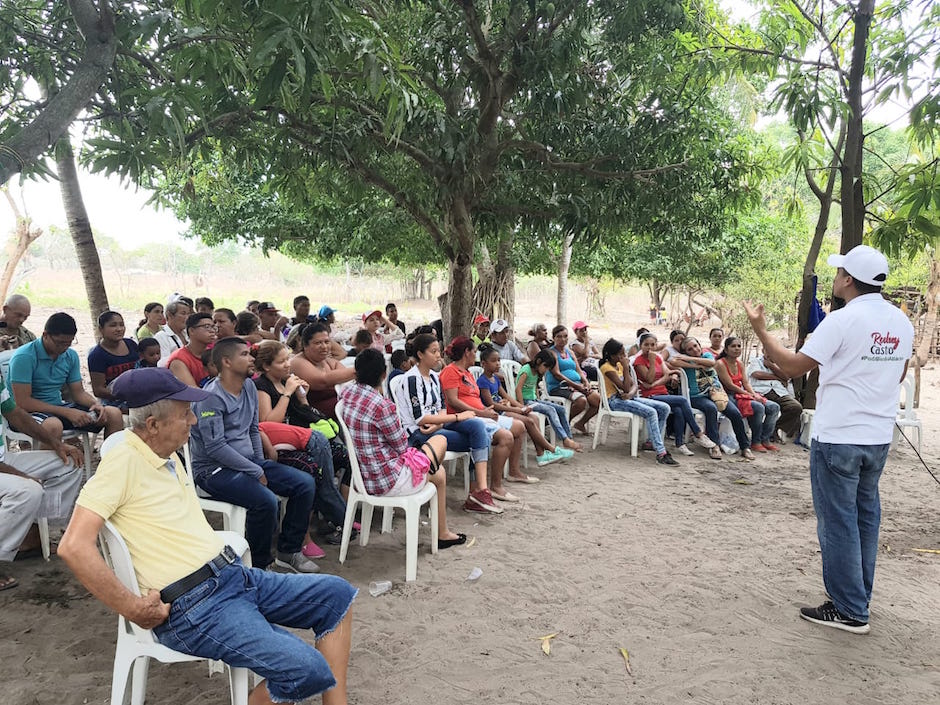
pixel 697 570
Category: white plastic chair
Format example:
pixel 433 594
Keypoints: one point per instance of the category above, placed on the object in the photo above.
pixel 410 503
pixel 724 423
pixel 907 415
pixel 605 415
pixel 233 516
pixel 136 645
pixel 806 426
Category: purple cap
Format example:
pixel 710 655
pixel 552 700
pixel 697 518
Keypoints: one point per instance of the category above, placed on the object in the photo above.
pixel 147 385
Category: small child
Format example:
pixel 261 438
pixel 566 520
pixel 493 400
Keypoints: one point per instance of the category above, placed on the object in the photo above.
pixel 401 363
pixel 211 369
pixel 148 351
pixel 361 341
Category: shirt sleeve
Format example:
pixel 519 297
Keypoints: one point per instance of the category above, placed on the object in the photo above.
pixel 825 341
pixel 211 434
pixel 450 378
pixel 22 365
pixel 107 490
pixel 96 361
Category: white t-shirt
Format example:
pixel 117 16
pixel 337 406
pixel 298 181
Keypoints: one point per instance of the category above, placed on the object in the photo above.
pixel 861 350
pixel 416 396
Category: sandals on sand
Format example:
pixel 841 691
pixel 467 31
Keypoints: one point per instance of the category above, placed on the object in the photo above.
pixel 528 479
pixel 7 582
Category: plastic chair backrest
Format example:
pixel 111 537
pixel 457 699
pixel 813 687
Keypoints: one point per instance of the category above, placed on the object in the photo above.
pixel 475 370
pixel 510 370
pixel 118 557
pixel 358 485
pixel 113 440
pixel 906 403
pixel 5 367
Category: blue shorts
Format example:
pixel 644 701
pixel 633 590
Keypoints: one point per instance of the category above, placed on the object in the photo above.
pixel 237 615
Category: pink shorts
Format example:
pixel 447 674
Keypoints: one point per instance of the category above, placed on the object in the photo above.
pixel 404 485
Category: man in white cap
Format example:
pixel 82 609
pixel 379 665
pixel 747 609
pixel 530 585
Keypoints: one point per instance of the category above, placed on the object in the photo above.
pixel 862 351
pixel 507 348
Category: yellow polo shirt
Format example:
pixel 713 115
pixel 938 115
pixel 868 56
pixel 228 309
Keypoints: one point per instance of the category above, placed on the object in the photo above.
pixel 157 513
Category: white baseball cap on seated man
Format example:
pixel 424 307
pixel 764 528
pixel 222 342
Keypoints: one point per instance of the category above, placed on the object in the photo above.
pixel 864 263
pixel 499 325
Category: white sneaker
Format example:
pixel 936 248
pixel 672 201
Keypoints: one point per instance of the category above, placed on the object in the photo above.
pixel 684 449
pixel 705 442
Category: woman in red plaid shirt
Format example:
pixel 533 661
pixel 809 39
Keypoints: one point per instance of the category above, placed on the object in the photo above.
pixel 386 461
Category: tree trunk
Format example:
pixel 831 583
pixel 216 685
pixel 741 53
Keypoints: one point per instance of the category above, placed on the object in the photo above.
pixel 929 332
pixel 458 319
pixel 23 236
pixel 564 265
pixel 852 198
pixel 96 24
pixel 80 229
pixel 494 294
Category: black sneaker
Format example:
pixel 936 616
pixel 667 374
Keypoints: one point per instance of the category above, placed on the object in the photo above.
pixel 666 459
pixel 828 616
pixel 648 445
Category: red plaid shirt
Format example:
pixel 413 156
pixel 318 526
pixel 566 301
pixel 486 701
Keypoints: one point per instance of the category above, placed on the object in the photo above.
pixel 379 440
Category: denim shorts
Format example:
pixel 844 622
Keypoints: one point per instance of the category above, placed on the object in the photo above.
pixel 237 615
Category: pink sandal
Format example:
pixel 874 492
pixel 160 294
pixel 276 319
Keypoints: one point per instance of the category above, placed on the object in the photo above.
pixel 311 550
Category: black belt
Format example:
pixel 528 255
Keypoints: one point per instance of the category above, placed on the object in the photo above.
pixel 187 583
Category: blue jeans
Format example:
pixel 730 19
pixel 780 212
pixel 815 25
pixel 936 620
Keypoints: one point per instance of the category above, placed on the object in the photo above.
pixel 763 421
pixel 731 412
pixel 557 418
pixel 845 478
pixel 237 615
pixel 462 436
pixel 262 504
pixel 682 415
pixel 654 413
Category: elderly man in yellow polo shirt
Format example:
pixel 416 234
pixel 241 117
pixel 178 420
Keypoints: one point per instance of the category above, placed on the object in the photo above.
pixel 196 595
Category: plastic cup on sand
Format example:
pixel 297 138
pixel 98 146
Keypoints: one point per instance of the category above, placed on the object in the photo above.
pixel 475 574
pixel 378 587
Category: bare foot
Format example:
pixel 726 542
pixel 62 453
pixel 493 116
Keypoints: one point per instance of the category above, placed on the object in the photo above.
pixel 580 429
pixel 7 582
pixel 572 444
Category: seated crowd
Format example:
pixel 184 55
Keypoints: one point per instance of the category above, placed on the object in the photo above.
pixel 260 393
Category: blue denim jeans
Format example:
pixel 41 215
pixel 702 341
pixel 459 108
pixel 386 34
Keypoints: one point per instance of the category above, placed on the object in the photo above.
pixel 557 418
pixel 654 413
pixel 262 504
pixel 845 478
pixel 237 615
pixel 462 436
pixel 682 415
pixel 731 412
pixel 764 420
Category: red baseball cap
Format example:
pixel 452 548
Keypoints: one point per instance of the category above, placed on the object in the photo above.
pixel 480 319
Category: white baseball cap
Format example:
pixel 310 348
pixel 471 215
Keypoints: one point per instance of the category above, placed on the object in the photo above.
pixel 864 263
pixel 499 325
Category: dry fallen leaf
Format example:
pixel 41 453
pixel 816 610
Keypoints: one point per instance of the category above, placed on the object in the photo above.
pixel 626 660
pixel 547 643
pixel 472 541
pixel 926 550
pixel 742 481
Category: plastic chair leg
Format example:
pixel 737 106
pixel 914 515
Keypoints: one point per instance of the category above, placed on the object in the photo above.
pixel 366 523
pixel 433 518
pixel 411 543
pixel 601 417
pixel 387 515
pixel 347 526
pixel 139 680
pixel 43 524
pixel 634 436
pixel 123 662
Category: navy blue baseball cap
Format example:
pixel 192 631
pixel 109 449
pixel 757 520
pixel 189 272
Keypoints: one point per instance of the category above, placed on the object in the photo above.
pixel 147 385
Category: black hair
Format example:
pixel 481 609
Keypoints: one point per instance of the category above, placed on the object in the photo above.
pixel 641 331
pixel 611 347
pixel 193 319
pixel 398 358
pixel 389 305
pixel 715 329
pixel 246 322
pixel 204 301
pixel 310 330
pixel 370 367
pixel 362 337
pixel 558 329
pixel 545 357
pixel 486 350
pixel 228 313
pixel 60 324
pixel 644 336
pixel 150 342
pixel 147 309
pixel 865 288
pixel 423 330
pixel 300 299
pixel 225 349
pixel 672 335
pixel 421 343
pixel 724 348
pixel 107 317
